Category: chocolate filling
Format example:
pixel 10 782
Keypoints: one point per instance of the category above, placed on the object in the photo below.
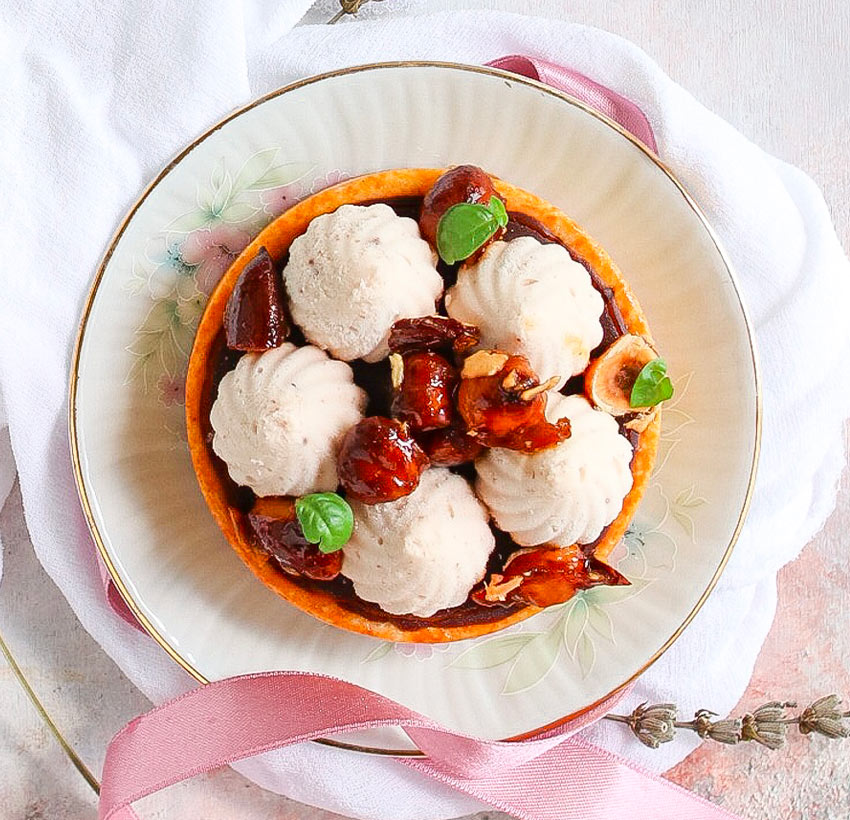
pixel 375 380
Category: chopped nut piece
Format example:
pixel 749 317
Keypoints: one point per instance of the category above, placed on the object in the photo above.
pixel 396 370
pixel 511 380
pixel 641 422
pixel 483 363
pixel 497 590
pixel 528 395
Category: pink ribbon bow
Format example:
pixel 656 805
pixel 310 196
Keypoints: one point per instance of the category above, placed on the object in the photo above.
pixel 553 776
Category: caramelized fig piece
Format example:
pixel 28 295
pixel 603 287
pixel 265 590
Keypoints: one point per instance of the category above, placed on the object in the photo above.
pixel 503 403
pixel 380 461
pixel 547 575
pixel 449 447
pixel 610 378
pixel 423 389
pixel 273 521
pixel 464 183
pixel 255 316
pixel 432 333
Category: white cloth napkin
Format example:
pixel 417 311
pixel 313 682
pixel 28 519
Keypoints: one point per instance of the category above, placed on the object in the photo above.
pixel 93 102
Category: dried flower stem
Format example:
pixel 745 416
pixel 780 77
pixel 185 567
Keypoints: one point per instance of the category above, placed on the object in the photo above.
pixel 347 7
pixel 767 725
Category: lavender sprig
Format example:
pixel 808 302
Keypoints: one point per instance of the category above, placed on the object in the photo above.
pixel 767 725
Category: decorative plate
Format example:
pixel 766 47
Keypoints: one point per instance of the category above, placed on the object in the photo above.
pixel 161 545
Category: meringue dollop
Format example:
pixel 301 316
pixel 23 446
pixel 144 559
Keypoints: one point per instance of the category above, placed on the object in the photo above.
pixel 567 494
pixel 532 299
pixel 280 417
pixel 421 553
pixel 353 273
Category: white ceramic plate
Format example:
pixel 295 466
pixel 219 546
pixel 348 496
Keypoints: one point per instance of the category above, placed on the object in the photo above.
pixel 136 480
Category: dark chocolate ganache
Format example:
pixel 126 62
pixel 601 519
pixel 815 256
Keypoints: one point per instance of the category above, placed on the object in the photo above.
pixel 375 380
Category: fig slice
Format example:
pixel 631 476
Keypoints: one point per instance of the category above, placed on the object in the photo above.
pixel 432 333
pixel 255 316
pixel 610 378
pixel 273 522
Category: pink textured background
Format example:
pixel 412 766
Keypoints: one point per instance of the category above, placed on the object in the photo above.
pixel 806 655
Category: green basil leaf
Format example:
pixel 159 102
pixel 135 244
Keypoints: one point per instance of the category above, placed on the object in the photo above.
pixel 497 208
pixel 652 386
pixel 326 520
pixel 463 229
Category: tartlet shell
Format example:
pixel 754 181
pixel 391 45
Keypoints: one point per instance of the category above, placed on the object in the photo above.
pixel 276 238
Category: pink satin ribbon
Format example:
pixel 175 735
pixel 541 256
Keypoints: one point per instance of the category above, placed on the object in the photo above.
pixel 554 776
pixel 597 96
pixel 217 724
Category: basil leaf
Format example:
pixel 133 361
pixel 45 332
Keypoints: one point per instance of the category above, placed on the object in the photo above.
pixel 463 229
pixel 652 386
pixel 326 520
pixel 497 208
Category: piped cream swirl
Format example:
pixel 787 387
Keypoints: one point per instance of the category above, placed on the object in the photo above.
pixel 280 417
pixel 567 494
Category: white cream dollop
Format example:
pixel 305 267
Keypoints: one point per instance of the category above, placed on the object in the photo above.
pixel 279 419
pixel 534 300
pixel 421 553
pixel 353 273
pixel 567 494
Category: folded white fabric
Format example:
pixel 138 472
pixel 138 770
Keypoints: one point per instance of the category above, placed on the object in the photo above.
pixel 94 102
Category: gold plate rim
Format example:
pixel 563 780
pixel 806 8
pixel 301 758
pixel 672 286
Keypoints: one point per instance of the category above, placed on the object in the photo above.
pixel 462 67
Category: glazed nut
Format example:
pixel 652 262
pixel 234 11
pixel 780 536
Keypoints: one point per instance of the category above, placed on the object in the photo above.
pixel 483 363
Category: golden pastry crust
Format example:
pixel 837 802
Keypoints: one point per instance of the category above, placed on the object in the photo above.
pixel 276 238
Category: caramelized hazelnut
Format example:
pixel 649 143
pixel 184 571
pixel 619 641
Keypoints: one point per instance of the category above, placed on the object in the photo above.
pixel 610 378
pixel 278 532
pixel 464 183
pixel 504 405
pixel 423 398
pixel 380 461
pixel 544 576
pixel 255 316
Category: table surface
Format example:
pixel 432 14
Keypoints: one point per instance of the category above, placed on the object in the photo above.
pixel 784 81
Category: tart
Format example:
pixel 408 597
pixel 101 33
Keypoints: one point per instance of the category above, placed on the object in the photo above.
pixel 516 458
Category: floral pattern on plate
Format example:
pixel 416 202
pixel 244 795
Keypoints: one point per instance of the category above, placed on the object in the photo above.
pixel 184 262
